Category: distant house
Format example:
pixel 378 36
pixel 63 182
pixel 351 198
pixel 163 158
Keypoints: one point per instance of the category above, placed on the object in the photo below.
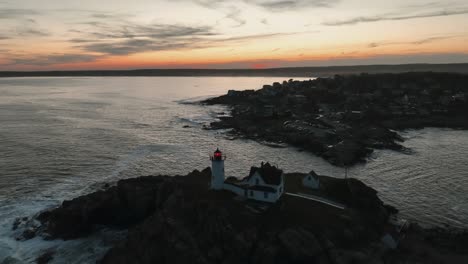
pixel 264 183
pixel 269 90
pixel 245 93
pixel 311 180
pixel 356 113
pixel 233 93
pixel 459 97
pixel 265 110
pixel 297 99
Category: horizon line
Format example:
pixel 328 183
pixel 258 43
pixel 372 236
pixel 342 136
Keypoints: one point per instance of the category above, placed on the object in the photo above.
pixel 236 69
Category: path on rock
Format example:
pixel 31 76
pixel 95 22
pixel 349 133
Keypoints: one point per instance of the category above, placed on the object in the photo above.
pixel 318 199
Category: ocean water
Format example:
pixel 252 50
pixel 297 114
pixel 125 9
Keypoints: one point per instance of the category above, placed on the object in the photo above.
pixel 62 137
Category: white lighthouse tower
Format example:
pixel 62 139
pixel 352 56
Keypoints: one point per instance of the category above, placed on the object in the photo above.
pixel 217 170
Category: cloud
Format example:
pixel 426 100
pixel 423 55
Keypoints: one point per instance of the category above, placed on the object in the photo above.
pixel 234 15
pixel 433 4
pixel 209 3
pixel 126 38
pixel 47 60
pixel 133 46
pixel 30 32
pixel 272 5
pixel 252 37
pixel 108 15
pixel 282 5
pixel 416 42
pixel 25 26
pixel 13 13
pixel 431 39
pixel 124 30
pixel 394 16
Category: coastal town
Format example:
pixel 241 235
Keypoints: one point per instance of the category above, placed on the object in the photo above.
pixel 343 119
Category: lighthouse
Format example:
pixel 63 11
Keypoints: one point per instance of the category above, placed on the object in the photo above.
pixel 217 170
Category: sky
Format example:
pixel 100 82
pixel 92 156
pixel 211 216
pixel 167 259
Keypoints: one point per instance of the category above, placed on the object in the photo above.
pixel 118 34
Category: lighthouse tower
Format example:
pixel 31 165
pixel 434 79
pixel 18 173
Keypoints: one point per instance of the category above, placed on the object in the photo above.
pixel 217 170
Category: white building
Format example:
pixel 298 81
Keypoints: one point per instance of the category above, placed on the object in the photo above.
pixel 264 183
pixel 311 180
pixel 217 170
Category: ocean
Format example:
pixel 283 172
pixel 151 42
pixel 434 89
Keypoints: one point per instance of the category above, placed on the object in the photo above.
pixel 63 137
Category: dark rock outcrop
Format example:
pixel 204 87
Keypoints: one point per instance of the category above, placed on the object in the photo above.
pixel 128 203
pixel 179 220
pixel 46 257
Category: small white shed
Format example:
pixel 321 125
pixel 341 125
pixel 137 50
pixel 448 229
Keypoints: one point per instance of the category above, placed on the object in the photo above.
pixel 311 180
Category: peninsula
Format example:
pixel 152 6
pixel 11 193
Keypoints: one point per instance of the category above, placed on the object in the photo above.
pixel 344 118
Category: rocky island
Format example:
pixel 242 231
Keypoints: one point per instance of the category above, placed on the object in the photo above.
pixel 344 118
pixel 180 220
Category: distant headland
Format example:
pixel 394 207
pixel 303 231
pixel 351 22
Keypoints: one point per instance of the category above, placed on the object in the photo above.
pixel 276 72
pixel 344 118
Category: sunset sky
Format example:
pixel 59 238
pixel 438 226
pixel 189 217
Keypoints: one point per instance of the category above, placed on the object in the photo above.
pixel 117 34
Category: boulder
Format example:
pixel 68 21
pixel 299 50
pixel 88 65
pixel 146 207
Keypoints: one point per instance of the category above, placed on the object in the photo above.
pixel 45 257
pixel 300 245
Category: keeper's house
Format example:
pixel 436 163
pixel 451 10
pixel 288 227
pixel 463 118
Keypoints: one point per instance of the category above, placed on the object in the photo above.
pixel 264 183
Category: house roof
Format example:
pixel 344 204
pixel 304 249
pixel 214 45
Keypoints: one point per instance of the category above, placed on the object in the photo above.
pixel 270 174
pixel 313 174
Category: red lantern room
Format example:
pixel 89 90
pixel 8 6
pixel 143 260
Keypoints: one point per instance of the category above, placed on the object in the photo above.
pixel 218 155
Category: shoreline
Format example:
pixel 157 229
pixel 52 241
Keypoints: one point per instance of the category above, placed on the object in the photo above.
pixel 200 219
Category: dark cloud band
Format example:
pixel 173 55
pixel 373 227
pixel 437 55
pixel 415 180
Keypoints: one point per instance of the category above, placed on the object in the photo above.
pixel 390 17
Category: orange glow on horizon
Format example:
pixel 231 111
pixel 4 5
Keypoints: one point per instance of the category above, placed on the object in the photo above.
pixel 142 62
pixel 99 35
pixel 246 57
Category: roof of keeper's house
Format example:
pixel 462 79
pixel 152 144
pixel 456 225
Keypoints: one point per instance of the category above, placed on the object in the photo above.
pixel 270 174
pixel 313 174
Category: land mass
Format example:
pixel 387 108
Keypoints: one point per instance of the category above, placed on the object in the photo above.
pixel 344 118
pixel 273 72
pixel 180 220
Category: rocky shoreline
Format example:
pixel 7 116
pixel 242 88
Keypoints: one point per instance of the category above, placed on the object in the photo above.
pixel 180 220
pixel 345 118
